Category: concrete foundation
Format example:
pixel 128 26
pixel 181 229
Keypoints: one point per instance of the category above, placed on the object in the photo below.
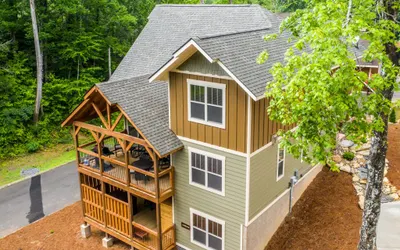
pixel 107 241
pixel 86 231
pixel 261 228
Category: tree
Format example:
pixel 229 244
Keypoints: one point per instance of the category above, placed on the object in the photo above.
pixel 319 89
pixel 39 63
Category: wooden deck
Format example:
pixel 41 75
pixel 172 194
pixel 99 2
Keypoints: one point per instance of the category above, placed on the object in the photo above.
pixel 143 228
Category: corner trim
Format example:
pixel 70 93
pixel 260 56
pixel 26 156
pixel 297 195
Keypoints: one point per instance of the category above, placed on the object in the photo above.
pixel 247 205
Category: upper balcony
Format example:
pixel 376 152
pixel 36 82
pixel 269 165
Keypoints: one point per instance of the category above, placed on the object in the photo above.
pixel 120 163
pixel 110 146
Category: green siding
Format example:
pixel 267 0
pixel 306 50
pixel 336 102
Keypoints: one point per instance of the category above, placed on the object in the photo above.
pixel 263 185
pixel 229 208
pixel 197 63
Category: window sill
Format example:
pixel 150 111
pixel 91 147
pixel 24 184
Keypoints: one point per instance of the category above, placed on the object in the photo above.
pixel 211 124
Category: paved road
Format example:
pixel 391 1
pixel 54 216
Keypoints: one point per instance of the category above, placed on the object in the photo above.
pixel 29 200
pixel 389 227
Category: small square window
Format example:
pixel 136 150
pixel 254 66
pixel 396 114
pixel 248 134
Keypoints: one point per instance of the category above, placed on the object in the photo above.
pixel 280 171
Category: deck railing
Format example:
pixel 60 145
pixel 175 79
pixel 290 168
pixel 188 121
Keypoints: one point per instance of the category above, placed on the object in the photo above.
pixel 117 219
pixel 93 203
pixel 117 215
pixel 168 237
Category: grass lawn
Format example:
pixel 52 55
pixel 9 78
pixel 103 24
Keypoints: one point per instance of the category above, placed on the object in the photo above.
pixel 44 160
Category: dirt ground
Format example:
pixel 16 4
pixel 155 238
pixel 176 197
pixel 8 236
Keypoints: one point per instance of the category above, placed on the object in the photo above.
pixel 393 155
pixel 60 231
pixel 326 217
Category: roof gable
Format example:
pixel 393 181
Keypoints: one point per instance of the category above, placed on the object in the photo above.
pixel 170 26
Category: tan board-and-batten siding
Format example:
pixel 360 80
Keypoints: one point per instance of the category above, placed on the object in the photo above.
pixel 232 137
pixel 263 128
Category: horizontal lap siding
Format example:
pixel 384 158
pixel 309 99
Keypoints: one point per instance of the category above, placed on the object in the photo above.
pixel 232 137
pixel 229 208
pixel 262 127
pixel 263 185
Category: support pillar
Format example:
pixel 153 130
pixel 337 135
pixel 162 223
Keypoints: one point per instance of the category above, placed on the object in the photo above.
pixel 107 241
pixel 86 231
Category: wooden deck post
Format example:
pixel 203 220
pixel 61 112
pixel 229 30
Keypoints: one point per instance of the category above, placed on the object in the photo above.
pixel 130 215
pixel 158 205
pixel 76 142
pixel 126 154
pixel 100 152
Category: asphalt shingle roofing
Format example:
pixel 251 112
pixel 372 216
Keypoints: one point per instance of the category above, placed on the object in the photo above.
pixel 170 26
pixel 146 104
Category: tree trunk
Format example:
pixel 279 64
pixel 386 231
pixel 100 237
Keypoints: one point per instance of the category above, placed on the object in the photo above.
pixel 109 63
pixel 373 192
pixel 39 63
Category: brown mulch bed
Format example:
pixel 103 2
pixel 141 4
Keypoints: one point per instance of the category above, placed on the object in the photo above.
pixel 60 230
pixel 326 217
pixel 393 155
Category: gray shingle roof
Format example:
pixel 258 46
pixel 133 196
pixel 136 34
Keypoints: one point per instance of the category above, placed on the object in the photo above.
pixel 146 104
pixel 170 26
pixel 238 52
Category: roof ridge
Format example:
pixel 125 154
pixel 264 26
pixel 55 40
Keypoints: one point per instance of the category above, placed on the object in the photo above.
pixel 231 33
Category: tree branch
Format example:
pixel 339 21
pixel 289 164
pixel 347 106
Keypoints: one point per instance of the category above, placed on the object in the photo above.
pixel 348 16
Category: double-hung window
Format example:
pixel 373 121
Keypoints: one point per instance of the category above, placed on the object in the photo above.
pixel 206 231
pixel 206 103
pixel 280 171
pixel 207 170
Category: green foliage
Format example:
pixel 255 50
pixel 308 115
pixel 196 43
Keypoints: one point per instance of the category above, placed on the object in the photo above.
pixel 320 100
pixel 348 156
pixel 392 116
pixel 75 37
pixel 32 146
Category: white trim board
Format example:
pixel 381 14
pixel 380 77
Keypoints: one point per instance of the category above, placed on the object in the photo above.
pixel 206 172
pixel 201 74
pixel 248 144
pixel 204 144
pixel 180 245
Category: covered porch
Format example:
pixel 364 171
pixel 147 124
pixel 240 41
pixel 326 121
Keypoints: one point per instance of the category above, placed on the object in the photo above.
pixel 127 179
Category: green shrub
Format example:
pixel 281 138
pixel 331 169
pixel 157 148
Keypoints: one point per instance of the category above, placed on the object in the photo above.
pixel 348 156
pixel 32 147
pixel 392 116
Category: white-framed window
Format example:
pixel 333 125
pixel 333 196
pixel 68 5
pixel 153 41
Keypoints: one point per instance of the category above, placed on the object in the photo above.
pixel 206 102
pixel 280 167
pixel 207 171
pixel 206 231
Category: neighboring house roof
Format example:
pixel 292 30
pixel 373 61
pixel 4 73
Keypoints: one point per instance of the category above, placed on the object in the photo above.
pixel 170 26
pixel 146 104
